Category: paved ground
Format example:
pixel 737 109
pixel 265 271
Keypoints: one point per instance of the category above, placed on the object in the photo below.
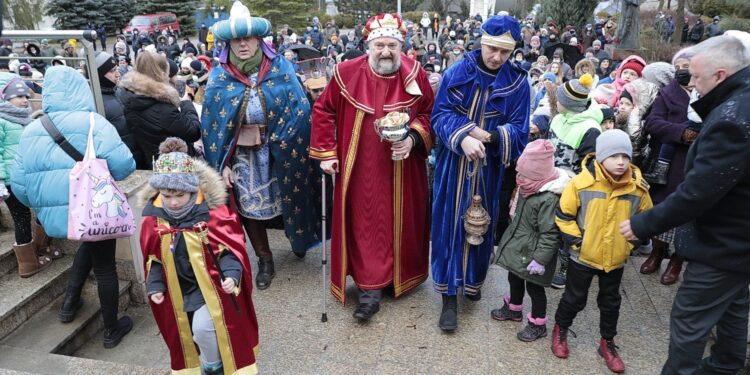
pixel 404 337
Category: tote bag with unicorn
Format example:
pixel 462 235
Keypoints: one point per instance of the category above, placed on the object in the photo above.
pixel 97 208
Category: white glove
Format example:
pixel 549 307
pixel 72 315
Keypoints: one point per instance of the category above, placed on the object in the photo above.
pixel 330 166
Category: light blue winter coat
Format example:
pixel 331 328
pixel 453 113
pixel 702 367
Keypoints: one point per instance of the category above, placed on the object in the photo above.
pixel 40 176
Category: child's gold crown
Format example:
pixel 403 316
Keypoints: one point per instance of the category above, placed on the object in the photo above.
pixel 173 163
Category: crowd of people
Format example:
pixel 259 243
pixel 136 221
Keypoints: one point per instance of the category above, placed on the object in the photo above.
pixel 544 154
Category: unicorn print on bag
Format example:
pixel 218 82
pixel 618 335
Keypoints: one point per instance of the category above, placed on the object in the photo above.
pixel 105 193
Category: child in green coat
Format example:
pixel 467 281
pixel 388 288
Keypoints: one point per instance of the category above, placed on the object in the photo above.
pixel 32 246
pixel 528 248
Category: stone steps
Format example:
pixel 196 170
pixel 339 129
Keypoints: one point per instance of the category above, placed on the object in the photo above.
pixel 44 333
pixel 8 261
pixel 21 298
pixel 18 361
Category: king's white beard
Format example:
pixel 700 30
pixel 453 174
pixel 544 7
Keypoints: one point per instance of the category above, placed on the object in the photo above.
pixel 384 67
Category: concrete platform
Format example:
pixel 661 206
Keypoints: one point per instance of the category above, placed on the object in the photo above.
pixel 404 338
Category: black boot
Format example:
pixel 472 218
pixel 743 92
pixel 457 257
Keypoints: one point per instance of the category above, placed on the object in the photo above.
pixel 449 317
pixel 558 281
pixel 266 272
pixel 69 308
pixel 474 297
pixel 658 176
pixel 112 337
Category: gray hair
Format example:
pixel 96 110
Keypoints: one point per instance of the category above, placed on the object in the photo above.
pixel 723 51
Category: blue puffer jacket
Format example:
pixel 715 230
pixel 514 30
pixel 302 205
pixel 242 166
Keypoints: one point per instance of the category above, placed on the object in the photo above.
pixel 40 177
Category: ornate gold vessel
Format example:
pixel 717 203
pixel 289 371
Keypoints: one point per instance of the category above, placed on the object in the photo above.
pixel 476 221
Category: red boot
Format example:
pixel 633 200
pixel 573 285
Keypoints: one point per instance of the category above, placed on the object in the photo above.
pixel 560 342
pixel 608 351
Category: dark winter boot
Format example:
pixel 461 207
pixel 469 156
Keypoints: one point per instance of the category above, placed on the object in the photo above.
pixel 608 351
pixel 558 281
pixel 509 311
pixel 658 176
pixel 536 329
pixel 653 261
pixel 474 297
pixel 560 341
pixel 266 272
pixel 112 337
pixel 672 273
pixel 70 306
pixel 217 369
pixel 449 317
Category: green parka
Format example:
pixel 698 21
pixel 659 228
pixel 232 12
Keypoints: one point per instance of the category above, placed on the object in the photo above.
pixel 10 135
pixel 532 234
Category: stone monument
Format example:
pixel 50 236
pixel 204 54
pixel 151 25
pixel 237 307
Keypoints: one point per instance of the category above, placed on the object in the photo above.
pixel 628 32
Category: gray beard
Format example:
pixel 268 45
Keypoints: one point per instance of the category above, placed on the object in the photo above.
pixel 384 70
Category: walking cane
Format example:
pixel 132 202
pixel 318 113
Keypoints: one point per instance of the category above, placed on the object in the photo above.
pixel 324 261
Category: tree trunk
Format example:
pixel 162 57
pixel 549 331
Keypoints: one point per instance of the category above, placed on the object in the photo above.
pixel 661 5
pixel 679 22
pixel 669 4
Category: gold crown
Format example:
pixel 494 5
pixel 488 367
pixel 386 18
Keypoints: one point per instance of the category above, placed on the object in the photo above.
pixel 168 164
pixel 388 21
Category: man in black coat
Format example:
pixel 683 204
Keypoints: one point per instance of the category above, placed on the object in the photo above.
pixel 712 210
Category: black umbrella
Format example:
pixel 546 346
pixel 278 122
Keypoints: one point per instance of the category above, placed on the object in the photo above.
pixel 305 52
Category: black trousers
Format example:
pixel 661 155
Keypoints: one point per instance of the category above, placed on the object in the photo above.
pixel 519 286
pixel 101 257
pixel 21 219
pixel 577 291
pixel 709 297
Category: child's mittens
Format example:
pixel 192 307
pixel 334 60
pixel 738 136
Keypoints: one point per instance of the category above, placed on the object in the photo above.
pixel 535 268
pixel 228 285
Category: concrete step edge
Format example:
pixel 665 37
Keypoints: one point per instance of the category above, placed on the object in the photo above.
pixel 8 262
pixel 22 298
pixel 44 332
pixel 37 362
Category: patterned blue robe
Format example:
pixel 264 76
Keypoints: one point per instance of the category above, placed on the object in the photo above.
pixel 287 113
pixel 470 97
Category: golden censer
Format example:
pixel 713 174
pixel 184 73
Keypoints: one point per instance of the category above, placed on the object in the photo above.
pixel 476 221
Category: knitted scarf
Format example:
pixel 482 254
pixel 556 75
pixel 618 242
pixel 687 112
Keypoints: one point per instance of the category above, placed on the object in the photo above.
pixel 14 114
pixel 180 213
pixel 249 66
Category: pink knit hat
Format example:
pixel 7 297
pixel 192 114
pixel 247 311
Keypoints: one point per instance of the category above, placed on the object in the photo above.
pixel 536 166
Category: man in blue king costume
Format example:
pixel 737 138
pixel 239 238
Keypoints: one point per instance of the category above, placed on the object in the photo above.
pixel 480 117
pixel 256 133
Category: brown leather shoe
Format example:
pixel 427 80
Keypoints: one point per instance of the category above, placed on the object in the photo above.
pixel 672 273
pixel 653 261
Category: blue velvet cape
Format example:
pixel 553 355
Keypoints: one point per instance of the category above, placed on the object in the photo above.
pixel 288 119
pixel 469 97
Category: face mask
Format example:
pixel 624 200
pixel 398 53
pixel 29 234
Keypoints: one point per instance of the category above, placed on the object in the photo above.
pixel 682 76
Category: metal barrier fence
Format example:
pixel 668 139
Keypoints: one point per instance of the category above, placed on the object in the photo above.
pixel 84 37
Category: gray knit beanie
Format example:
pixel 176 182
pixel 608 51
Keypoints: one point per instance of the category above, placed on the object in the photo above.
pixel 574 94
pixel 174 170
pixel 613 142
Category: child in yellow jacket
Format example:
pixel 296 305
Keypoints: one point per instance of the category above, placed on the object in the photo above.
pixel 608 191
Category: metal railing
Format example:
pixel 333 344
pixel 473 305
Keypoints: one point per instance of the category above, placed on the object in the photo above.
pixel 83 36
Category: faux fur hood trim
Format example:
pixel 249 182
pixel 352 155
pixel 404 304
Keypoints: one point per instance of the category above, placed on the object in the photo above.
pixel 557 185
pixel 143 85
pixel 211 184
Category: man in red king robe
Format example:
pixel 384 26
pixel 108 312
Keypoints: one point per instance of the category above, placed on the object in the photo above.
pixel 380 232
